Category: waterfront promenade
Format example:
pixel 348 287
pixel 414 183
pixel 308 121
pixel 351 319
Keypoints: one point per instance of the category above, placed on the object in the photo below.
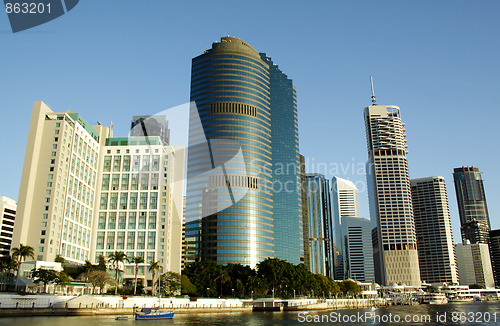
pixel 52 305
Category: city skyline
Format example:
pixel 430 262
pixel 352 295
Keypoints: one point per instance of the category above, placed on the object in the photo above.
pixel 401 77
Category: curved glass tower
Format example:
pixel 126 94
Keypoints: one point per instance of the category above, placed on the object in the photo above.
pixel 229 205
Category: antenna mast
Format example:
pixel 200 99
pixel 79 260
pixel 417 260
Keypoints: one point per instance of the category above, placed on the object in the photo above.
pixel 374 99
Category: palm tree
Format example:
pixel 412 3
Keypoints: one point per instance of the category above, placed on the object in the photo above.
pixel 116 258
pixel 137 260
pixel 154 266
pixel 21 254
pixel 7 264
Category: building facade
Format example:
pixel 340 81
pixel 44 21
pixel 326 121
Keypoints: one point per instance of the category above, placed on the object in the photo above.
pixel 357 249
pixel 474 264
pixel 319 225
pixel 230 205
pixel 436 253
pixel 150 125
pixel 59 185
pixel 140 204
pixel 393 227
pixel 345 202
pixel 472 208
pixel 494 244
pixel 287 199
pixel 8 209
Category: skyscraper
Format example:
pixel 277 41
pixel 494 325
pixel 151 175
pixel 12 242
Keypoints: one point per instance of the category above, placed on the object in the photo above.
pixel 352 234
pixel 8 209
pixel 474 219
pixel 287 199
pixel 233 212
pixel 393 233
pixel 320 225
pixel 345 202
pixel 59 185
pixel 436 253
pixel 494 239
pixel 151 125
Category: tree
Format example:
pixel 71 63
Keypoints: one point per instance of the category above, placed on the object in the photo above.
pixel 102 263
pixel 349 287
pixel 21 254
pixel 116 258
pixel 45 276
pixel 186 286
pixel 171 283
pixel 99 279
pixel 154 267
pixel 136 260
pixel 59 259
pixel 7 264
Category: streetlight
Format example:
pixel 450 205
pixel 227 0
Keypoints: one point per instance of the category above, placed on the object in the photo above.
pixel 312 293
pixel 251 296
pixel 233 292
pixel 294 293
pixel 208 289
pixel 273 293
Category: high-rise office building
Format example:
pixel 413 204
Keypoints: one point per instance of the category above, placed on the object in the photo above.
pixel 305 218
pixel 357 249
pixel 232 214
pixel 494 244
pixel 320 225
pixel 474 264
pixel 287 199
pixel 140 204
pixel 436 253
pixel 59 185
pixel 345 202
pixel 151 125
pixel 474 219
pixel 393 233
pixel 8 209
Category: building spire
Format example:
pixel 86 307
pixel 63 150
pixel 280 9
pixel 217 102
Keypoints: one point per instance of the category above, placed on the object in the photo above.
pixel 374 99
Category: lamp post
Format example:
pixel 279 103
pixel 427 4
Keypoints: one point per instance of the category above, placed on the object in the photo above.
pixel 208 289
pixel 232 290
pixel 273 294
pixel 312 296
pixel 294 293
pixel 251 296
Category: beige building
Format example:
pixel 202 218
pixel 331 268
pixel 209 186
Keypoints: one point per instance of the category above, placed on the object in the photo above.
pixel 393 234
pixel 474 264
pixel 8 209
pixel 58 185
pixel 140 204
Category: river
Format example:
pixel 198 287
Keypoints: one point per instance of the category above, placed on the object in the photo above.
pixel 473 313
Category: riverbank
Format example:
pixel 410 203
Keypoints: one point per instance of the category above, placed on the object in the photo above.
pixel 50 305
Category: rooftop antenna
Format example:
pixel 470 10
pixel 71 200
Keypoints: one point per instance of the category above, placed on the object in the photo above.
pixel 374 99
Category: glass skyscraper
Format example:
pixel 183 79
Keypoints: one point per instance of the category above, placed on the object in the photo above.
pixel 320 230
pixel 287 207
pixel 231 212
pixel 474 218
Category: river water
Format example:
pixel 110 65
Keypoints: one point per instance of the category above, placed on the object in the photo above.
pixel 474 313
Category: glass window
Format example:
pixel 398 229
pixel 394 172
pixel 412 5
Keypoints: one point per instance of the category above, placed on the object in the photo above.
pixel 124 182
pixel 123 200
pixel 134 182
pixel 133 200
pixel 126 163
pixel 143 202
pixel 135 162
pixel 113 201
pixel 110 242
pixel 120 240
pixel 145 163
pixel 102 221
pixel 152 220
pixel 104 201
pixel 151 240
pixel 115 182
pixel 105 182
pixel 130 239
pixel 141 239
pixel 107 163
pixel 117 163
pixel 100 240
pixel 144 181
pixel 131 220
pixel 150 256
pixel 122 217
pixel 156 163
pixel 112 220
pixel 142 220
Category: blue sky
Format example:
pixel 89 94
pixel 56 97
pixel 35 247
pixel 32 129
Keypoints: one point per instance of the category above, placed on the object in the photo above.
pixel 436 60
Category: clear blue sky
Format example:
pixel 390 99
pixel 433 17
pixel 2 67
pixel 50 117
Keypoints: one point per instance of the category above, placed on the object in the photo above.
pixel 437 60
